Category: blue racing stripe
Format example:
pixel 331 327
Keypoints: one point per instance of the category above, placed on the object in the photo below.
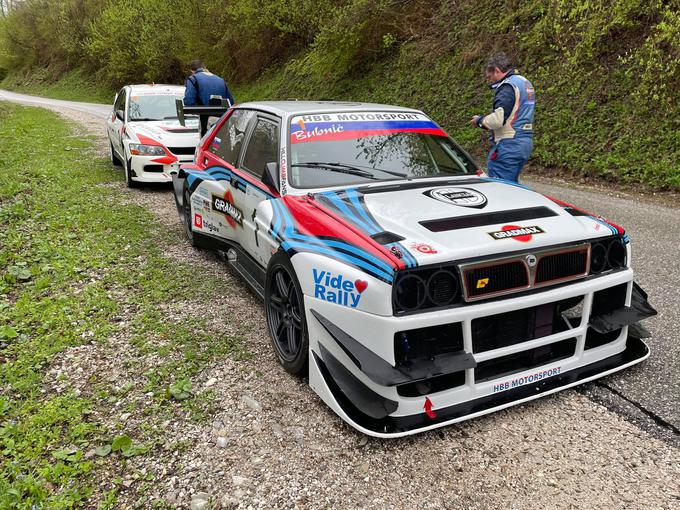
pixel 354 198
pixel 338 254
pixel 359 257
pixel 342 207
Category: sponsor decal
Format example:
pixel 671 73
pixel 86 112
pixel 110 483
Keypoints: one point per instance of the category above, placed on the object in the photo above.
pixel 210 226
pixel 397 252
pixel 336 288
pixel 464 197
pixel 283 172
pixel 226 206
pixel 526 379
pixel 345 126
pixel 531 260
pixel 522 234
pixel 215 144
pixel 482 282
pixel 423 248
pixel 203 192
pixel 303 136
pixel 198 221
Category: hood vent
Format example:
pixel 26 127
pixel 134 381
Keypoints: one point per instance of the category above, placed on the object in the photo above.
pixel 385 237
pixel 493 218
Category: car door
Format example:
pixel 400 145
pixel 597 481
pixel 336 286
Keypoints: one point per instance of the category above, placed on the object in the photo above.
pixel 224 152
pixel 117 122
pixel 262 148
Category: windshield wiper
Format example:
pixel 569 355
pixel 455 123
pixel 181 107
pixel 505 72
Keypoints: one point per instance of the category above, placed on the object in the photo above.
pixel 337 167
pixel 142 119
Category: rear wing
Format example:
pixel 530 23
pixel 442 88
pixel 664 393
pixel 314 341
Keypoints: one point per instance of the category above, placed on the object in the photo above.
pixel 203 112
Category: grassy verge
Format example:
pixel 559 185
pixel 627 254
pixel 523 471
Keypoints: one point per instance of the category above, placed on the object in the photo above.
pixel 80 269
pixel 73 86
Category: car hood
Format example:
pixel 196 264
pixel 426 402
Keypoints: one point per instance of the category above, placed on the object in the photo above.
pixel 168 132
pixel 460 219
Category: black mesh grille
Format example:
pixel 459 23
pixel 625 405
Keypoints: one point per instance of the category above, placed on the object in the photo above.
pixel 510 328
pixel 426 343
pixel 182 150
pixel 488 280
pixel 525 360
pixel 561 265
pixel 432 385
pixel 608 300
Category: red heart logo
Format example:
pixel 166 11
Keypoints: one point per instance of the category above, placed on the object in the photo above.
pixel 361 285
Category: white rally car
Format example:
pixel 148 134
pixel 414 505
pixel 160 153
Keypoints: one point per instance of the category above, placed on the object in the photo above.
pixel 145 135
pixel 413 291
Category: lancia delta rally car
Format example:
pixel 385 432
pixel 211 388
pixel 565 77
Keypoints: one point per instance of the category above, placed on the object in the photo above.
pixel 413 292
pixel 146 137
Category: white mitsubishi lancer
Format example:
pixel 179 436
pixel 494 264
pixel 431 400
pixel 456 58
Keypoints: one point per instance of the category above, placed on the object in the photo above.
pixel 145 135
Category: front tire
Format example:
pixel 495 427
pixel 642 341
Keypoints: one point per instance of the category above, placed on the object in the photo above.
pixel 115 161
pixel 128 173
pixel 286 315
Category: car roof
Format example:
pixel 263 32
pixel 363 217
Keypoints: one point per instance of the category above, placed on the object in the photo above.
pixel 287 108
pixel 152 88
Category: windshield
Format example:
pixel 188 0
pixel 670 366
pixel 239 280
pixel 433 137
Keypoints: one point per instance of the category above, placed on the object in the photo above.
pixel 363 147
pixel 153 107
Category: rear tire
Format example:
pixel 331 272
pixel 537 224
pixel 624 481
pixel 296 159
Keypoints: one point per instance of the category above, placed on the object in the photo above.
pixel 286 320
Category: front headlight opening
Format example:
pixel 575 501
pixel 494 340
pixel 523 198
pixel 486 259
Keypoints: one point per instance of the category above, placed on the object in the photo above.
pixel 139 149
pixel 425 288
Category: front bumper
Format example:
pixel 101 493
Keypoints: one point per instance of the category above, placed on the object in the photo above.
pixel 355 375
pixel 145 169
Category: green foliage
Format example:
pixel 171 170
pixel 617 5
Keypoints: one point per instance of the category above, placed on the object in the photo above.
pixel 607 72
pixel 180 390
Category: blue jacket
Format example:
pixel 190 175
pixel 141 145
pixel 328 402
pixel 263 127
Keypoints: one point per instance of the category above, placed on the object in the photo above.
pixel 513 108
pixel 200 86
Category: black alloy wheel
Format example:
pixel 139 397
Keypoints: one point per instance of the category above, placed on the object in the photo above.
pixel 286 315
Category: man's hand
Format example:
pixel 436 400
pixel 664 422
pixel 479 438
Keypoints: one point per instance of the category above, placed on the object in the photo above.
pixel 473 120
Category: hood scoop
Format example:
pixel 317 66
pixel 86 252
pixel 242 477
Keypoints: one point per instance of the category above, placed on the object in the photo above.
pixel 492 218
pixel 386 237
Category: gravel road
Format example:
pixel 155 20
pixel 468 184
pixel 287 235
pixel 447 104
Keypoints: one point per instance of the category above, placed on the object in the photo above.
pixel 273 443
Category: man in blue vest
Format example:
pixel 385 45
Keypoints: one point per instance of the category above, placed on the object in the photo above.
pixel 511 121
pixel 202 84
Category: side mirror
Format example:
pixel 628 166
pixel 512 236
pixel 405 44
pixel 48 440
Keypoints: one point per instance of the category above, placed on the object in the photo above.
pixel 120 115
pixel 270 175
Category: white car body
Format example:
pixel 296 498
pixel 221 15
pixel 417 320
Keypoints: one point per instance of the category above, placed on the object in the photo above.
pixel 426 300
pixel 175 143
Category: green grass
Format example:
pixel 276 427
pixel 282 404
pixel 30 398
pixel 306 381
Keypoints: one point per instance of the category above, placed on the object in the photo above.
pixel 73 258
pixel 72 86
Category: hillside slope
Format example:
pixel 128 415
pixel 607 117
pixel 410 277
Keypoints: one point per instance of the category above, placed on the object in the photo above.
pixel 606 73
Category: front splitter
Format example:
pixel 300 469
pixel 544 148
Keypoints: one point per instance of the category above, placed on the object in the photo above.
pixel 396 426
